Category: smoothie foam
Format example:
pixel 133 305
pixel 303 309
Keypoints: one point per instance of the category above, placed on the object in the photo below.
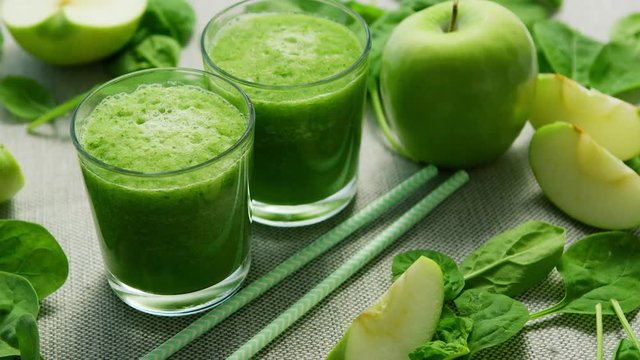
pixel 284 49
pixel 158 129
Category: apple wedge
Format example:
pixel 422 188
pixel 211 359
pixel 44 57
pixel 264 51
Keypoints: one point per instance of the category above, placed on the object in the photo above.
pixel 11 178
pixel 583 179
pixel 611 122
pixel 404 317
pixel 70 32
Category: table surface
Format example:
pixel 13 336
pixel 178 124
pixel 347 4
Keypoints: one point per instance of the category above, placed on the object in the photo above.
pixel 84 320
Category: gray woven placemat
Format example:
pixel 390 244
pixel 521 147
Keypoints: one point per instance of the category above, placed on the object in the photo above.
pixel 84 320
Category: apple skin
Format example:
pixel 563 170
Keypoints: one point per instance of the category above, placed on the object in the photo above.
pixel 11 178
pixel 405 317
pixel 583 179
pixel 459 99
pixel 611 122
pixel 58 41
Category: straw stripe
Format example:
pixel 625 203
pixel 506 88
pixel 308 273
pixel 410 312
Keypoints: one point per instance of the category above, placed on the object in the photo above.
pixel 292 264
pixel 344 272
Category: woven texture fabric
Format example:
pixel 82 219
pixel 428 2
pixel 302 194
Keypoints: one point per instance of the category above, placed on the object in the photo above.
pixel 85 320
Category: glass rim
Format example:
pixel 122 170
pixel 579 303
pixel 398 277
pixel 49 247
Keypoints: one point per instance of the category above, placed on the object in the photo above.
pixel 361 59
pixel 241 140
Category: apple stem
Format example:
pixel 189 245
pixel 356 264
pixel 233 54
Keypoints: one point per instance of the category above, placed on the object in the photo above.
pixel 454 17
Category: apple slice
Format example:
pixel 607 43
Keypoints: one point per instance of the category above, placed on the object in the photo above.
pixel 69 32
pixel 11 178
pixel 404 317
pixel 611 122
pixel 583 179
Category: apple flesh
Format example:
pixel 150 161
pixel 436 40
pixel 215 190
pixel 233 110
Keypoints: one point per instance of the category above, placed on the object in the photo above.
pixel 404 317
pixel 459 99
pixel 11 178
pixel 583 179
pixel 71 32
pixel 611 122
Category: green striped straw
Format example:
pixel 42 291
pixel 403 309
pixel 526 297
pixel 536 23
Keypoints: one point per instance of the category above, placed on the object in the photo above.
pixel 344 272
pixel 292 264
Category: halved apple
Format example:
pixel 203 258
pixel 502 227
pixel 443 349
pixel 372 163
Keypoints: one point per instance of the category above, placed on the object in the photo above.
pixel 70 32
pixel 404 317
pixel 611 122
pixel 11 178
pixel 583 179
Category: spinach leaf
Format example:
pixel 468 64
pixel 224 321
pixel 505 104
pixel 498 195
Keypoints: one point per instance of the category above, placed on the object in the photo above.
pixel 634 164
pixel 28 338
pixel 529 12
pixel 626 350
pixel 496 318
pixel 596 269
pixel 449 341
pixel 551 5
pixel 29 250
pixel 616 69
pixel 543 63
pixel 159 51
pixel 453 279
pixel 172 18
pixel 627 30
pixel 25 98
pixel 569 52
pixel 369 13
pixel 530 16
pixel 58 111
pixel 381 30
pixel 417 5
pixel 17 298
pixel 153 52
pixel 516 260
pixel 625 324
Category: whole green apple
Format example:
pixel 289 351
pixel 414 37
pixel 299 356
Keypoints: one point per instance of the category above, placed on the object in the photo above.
pixel 71 32
pixel 459 98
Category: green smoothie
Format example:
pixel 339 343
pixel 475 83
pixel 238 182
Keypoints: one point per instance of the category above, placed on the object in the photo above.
pixel 307 136
pixel 171 233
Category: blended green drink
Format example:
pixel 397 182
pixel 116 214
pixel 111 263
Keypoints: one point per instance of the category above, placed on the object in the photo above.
pixel 303 63
pixel 165 161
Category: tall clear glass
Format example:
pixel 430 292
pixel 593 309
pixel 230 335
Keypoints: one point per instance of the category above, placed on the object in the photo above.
pixel 307 134
pixel 174 242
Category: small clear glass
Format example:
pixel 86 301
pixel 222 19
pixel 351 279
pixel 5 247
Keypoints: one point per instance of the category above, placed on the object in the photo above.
pixel 307 135
pixel 176 242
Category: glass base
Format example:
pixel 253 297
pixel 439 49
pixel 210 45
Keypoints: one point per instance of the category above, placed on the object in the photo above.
pixel 182 304
pixel 306 214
